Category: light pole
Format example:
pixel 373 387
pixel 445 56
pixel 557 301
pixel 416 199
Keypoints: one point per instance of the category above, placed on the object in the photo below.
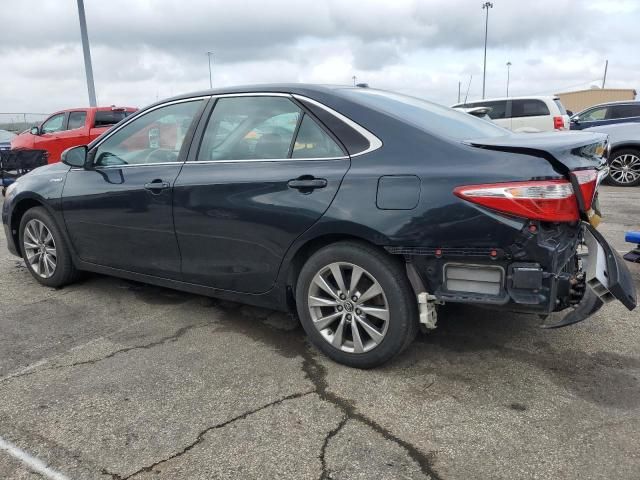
pixel 87 54
pixel 210 54
pixel 485 6
pixel 508 68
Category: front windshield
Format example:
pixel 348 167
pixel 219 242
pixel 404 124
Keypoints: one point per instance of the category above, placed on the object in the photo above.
pixel 433 118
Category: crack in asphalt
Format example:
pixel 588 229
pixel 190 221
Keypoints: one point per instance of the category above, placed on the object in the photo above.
pixel 171 338
pixel 202 434
pixel 324 475
pixel 317 374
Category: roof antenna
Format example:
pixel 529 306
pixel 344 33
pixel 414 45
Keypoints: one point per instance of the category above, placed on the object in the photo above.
pixel 468 87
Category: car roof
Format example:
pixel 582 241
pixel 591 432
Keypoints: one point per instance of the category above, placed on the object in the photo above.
pixel 617 102
pixel 295 88
pixel 524 97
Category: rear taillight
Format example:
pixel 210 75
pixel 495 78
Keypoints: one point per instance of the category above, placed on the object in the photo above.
pixel 545 200
pixel 558 123
pixel 588 181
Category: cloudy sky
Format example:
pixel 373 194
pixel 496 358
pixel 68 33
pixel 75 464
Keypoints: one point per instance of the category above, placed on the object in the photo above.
pixel 148 49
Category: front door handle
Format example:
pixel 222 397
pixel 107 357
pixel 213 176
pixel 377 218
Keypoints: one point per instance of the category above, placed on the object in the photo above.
pixel 308 184
pixel 156 186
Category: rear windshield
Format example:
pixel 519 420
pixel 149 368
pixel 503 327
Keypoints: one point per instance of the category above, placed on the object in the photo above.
pixel 442 121
pixel 105 118
pixel 563 111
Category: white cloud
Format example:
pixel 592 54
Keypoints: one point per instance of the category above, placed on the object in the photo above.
pixel 143 50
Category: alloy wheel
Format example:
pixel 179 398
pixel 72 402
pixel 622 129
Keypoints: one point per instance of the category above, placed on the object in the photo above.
pixel 348 307
pixel 40 248
pixel 625 168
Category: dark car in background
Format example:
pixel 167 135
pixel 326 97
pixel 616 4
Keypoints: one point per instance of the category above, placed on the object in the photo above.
pixel 5 139
pixel 358 209
pixel 624 159
pixel 606 114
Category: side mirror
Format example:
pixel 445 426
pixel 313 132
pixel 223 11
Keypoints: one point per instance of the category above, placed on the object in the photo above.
pixel 75 156
pixel 570 113
pixel 35 131
pixel 575 119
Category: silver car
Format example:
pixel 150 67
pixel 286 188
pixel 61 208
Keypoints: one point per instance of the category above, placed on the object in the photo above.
pixel 624 161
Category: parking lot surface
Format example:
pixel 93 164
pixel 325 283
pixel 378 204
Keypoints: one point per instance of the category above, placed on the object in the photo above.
pixel 114 379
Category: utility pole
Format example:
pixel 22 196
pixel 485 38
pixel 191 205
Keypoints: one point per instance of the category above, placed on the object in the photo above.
pixel 87 55
pixel 508 68
pixel 604 79
pixel 459 86
pixel 485 6
pixel 210 54
pixel 354 78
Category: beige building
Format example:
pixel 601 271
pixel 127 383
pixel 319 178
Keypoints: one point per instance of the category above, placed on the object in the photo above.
pixel 581 99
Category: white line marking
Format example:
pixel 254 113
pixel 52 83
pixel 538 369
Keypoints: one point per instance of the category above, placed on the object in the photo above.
pixel 33 463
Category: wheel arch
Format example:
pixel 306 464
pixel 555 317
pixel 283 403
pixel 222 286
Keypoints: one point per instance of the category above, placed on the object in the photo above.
pixel 624 146
pixel 296 259
pixel 19 209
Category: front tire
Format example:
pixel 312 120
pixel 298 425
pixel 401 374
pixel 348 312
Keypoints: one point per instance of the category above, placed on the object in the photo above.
pixel 44 249
pixel 624 168
pixel 356 304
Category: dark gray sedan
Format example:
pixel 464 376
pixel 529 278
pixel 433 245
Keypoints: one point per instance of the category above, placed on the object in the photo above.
pixel 624 161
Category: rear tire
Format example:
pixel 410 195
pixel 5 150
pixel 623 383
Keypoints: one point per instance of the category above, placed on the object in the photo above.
pixel 624 168
pixel 366 317
pixel 44 249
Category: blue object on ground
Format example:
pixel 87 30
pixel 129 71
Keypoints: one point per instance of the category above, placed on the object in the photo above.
pixel 632 237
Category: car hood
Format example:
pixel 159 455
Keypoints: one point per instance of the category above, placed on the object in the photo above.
pixel 52 169
pixel 566 151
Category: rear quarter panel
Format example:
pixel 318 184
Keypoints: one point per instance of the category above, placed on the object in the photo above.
pixel 440 219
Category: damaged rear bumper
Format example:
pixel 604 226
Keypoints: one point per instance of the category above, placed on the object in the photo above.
pixel 607 278
pixel 570 269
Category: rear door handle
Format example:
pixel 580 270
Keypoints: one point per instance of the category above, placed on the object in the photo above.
pixel 307 183
pixel 156 186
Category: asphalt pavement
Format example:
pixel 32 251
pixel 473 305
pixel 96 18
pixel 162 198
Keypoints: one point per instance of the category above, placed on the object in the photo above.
pixel 112 379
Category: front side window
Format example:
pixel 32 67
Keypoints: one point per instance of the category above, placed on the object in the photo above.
pixel 529 108
pixel 498 109
pixel 76 120
pixel 154 137
pixel 245 128
pixel 54 124
pixel 594 115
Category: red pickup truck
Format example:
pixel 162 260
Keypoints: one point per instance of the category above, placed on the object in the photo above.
pixel 69 128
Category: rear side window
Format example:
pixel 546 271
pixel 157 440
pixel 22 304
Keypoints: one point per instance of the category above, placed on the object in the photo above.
pixel 76 120
pixel 624 111
pixel 246 128
pixel 313 142
pixel 105 118
pixel 528 108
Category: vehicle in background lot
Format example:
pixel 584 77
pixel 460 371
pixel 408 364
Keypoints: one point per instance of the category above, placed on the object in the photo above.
pixel 480 112
pixel 624 159
pixel 525 114
pixel 5 139
pixel 606 114
pixel 68 128
pixel 360 209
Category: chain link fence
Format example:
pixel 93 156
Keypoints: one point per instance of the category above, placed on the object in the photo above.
pixel 19 122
